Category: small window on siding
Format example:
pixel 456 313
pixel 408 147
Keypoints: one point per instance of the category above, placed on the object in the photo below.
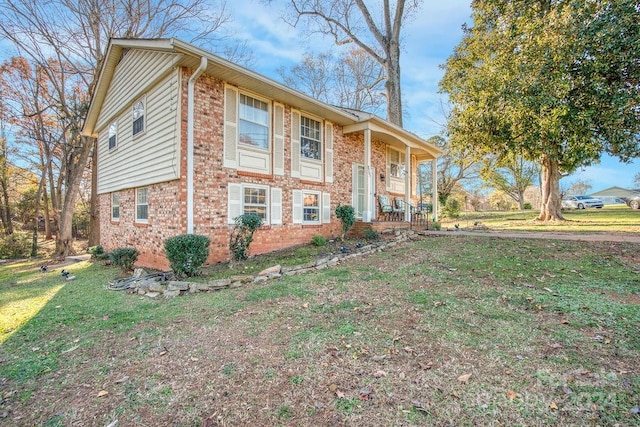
pixel 253 126
pixel 142 205
pixel 310 139
pixel 311 207
pixel 115 206
pixel 138 117
pixel 255 201
pixel 113 136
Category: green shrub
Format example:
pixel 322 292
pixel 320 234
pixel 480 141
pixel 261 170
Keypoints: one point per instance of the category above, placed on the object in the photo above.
pixel 16 245
pixel 98 252
pixel 435 225
pixel 347 216
pixel 124 258
pixel 242 235
pixel 318 240
pixel 186 253
pixel 451 208
pixel 527 206
pixel 370 234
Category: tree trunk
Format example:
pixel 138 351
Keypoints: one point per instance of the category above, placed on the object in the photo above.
pixel 64 239
pixel 94 210
pixel 550 205
pixel 47 217
pixel 394 94
pixel 521 199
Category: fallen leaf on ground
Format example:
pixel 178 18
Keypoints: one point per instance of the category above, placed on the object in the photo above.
pixel 122 380
pixel 553 405
pixel 455 394
pixel 163 352
pixel 333 388
pixel 379 373
pixel 464 378
pixel 103 393
pixel 425 366
pixel 556 345
pixel 339 394
pixel 511 395
pixel 564 321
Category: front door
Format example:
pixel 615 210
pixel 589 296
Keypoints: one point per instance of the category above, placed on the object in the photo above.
pixel 358 189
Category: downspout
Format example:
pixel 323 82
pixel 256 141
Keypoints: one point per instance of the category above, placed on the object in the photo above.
pixel 190 139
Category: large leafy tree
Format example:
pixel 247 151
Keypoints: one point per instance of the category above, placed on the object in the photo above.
pixel 556 81
pixel 66 40
pixel 375 30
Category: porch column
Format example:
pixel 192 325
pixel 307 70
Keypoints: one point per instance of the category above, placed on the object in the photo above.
pixel 368 213
pixel 407 183
pixel 434 180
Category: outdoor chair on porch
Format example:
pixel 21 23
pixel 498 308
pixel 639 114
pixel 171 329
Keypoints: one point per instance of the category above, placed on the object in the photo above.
pixel 386 208
pixel 401 205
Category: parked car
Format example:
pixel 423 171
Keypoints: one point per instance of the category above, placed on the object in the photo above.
pixel 581 202
pixel 633 202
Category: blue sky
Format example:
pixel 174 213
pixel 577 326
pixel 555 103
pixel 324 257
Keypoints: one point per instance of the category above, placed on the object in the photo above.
pixel 428 40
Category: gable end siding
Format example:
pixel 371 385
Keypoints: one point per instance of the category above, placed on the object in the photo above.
pixel 150 157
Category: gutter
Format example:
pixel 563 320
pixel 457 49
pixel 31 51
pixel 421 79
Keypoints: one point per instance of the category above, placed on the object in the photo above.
pixel 190 139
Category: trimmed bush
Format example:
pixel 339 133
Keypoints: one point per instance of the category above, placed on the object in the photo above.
pixel 124 258
pixel 187 253
pixel 435 225
pixel 527 206
pixel 319 240
pixel 346 214
pixel 370 234
pixel 16 245
pixel 98 252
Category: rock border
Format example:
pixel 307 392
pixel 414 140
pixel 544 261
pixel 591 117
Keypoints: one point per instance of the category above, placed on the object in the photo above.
pixel 155 285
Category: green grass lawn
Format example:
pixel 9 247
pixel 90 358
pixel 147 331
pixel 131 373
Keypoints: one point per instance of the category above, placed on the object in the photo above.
pixel 478 330
pixel 610 219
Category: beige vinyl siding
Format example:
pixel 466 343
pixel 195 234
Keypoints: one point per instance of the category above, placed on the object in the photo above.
pixel 135 74
pixel 151 156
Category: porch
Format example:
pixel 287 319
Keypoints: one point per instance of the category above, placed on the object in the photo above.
pixel 419 221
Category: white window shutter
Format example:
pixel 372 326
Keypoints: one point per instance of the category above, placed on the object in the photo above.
pixel 297 207
pixel 328 152
pixel 278 139
pixel 295 143
pixel 326 208
pixel 234 202
pixel 388 180
pixel 230 127
pixel 276 206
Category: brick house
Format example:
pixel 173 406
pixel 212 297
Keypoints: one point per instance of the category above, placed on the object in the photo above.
pixel 188 141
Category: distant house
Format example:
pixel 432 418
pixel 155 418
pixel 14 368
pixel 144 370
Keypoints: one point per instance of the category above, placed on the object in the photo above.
pixel 188 141
pixel 613 195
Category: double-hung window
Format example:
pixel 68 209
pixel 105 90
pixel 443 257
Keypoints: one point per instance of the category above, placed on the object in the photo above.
pixel 311 207
pixel 138 114
pixel 113 135
pixel 310 138
pixel 255 201
pixel 253 124
pixel 115 206
pixel 396 163
pixel 142 204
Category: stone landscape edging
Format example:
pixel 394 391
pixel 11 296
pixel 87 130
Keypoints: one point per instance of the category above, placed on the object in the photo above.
pixel 155 286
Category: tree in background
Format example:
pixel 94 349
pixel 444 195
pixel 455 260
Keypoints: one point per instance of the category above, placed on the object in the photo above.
pixel 65 42
pixel 352 80
pixel 512 175
pixel 554 81
pixel 454 168
pixel 580 187
pixel 352 21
